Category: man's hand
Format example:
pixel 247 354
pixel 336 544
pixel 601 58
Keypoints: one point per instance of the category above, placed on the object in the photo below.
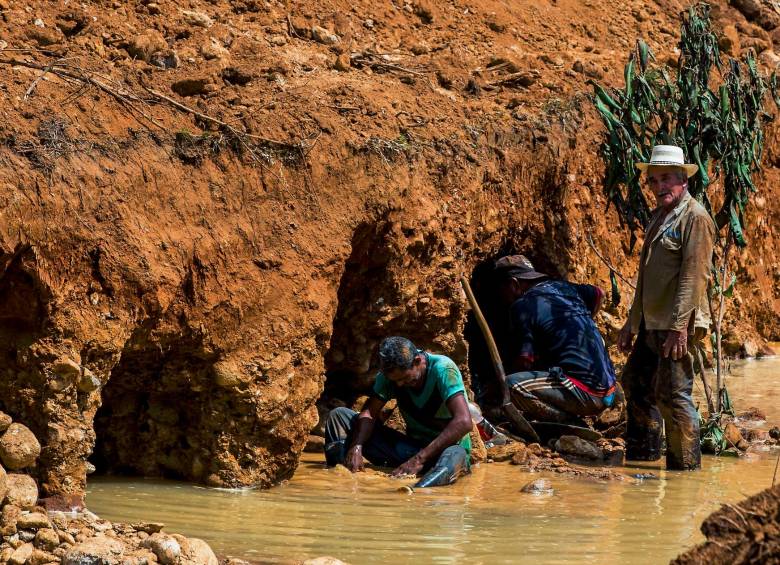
pixel 354 459
pixel 410 467
pixel 625 338
pixel 676 344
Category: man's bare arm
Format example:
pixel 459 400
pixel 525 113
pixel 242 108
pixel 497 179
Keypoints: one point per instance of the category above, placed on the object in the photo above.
pixel 367 419
pixel 458 427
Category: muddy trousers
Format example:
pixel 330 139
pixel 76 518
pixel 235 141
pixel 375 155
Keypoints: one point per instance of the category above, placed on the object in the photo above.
pixel 548 396
pixel 659 389
pixel 390 448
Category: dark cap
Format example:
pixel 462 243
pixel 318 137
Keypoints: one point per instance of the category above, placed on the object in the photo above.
pixel 518 266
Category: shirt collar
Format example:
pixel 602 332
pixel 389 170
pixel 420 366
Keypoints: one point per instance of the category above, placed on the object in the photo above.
pixel 671 216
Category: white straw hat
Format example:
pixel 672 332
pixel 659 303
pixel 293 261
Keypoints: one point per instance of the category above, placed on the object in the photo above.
pixel 668 156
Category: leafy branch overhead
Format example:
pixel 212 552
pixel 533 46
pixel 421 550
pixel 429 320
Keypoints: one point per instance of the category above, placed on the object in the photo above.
pixel 718 123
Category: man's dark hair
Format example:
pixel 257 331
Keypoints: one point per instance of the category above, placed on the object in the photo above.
pixel 396 352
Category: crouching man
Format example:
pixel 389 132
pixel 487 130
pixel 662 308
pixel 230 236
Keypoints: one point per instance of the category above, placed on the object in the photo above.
pixel 563 370
pixel 432 400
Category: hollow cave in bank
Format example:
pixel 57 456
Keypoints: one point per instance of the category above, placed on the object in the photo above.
pixel 158 409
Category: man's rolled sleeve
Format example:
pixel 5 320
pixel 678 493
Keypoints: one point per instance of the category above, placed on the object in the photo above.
pixel 695 266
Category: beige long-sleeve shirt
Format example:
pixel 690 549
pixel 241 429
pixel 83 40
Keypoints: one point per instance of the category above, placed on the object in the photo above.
pixel 674 267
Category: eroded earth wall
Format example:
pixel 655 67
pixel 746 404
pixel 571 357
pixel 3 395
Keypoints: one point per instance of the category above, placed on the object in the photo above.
pixel 204 207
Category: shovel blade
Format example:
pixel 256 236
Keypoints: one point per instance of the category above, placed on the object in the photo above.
pixel 519 423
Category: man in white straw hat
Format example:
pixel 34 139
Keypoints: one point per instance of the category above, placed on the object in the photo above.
pixel 670 313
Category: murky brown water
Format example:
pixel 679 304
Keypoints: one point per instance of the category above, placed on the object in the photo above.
pixel 482 519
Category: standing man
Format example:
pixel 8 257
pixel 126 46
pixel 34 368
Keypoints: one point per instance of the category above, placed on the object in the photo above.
pixel 669 316
pixel 432 400
pixel 563 369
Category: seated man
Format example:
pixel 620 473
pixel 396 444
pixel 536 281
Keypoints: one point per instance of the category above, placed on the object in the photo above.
pixel 432 400
pixel 564 370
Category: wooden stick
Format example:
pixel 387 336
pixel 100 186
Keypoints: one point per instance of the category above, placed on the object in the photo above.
pixel 184 108
pixel 608 263
pixel 703 375
pixel 518 420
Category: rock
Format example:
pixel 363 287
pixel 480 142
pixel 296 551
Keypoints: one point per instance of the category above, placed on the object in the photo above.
pixel 424 10
pixel 8 519
pixel 5 554
pixel 5 421
pixel 774 433
pixel 67 369
pixel 3 484
pixel 343 63
pixel 539 486
pixel 521 457
pixel 41 557
pixel 213 49
pixel 278 40
pixel 506 452
pixel 420 48
pixel 732 434
pixel 146 44
pixel 18 447
pixel 21 554
pixel 47 539
pixel 97 550
pixel 197 19
pixel 165 547
pixel 236 75
pixel 33 521
pixel 195 552
pixel 749 348
pixel 66 538
pixel 322 35
pixel 193 86
pixel 478 449
pixel 22 491
pixel 729 41
pixel 573 445
pixel 167 59
pixel 44 36
pixel 769 58
pixel 314 444
pixel 148 527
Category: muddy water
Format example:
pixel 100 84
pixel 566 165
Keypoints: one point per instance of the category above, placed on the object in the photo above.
pixel 482 519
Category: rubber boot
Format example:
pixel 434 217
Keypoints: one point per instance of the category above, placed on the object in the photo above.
pixel 452 463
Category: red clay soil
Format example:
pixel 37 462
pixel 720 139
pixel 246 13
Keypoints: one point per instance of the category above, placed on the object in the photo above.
pixel 206 206
pixel 739 534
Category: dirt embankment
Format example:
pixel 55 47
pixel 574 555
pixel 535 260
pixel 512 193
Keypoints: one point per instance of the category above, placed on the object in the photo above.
pixel 748 532
pixel 178 280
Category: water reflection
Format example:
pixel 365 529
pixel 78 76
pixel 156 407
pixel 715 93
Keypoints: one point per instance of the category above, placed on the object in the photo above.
pixel 482 519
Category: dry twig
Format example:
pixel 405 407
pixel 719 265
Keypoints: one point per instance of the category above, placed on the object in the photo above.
pixel 608 263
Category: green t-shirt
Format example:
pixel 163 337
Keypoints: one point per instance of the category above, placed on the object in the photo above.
pixel 425 412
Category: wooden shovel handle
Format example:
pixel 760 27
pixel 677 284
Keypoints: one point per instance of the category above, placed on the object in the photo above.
pixel 491 343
